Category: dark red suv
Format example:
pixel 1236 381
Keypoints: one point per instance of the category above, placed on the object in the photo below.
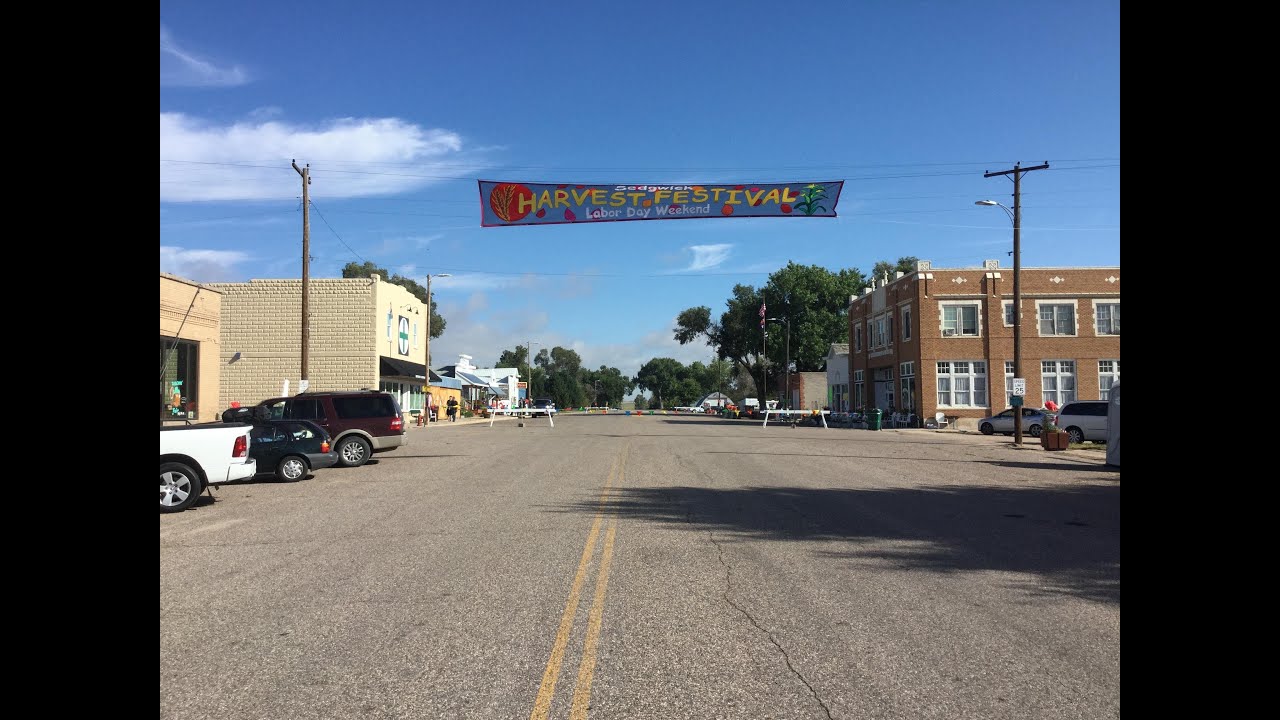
pixel 361 422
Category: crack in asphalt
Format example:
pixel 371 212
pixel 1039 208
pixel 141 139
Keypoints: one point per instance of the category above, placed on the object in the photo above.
pixel 728 585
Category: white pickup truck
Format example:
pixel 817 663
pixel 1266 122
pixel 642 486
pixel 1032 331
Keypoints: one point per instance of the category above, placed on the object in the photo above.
pixel 192 457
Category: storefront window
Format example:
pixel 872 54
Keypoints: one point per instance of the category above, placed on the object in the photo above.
pixel 179 374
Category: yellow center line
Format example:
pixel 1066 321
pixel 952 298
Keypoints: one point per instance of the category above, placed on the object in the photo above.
pixel 582 690
pixel 542 705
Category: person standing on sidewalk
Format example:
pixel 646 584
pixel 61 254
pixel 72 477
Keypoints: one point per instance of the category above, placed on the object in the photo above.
pixel 452 410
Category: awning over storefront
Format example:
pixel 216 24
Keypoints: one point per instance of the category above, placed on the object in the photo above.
pixel 391 367
pixel 469 379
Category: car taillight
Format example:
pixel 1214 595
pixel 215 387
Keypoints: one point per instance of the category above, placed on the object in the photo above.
pixel 324 446
pixel 242 447
pixel 397 423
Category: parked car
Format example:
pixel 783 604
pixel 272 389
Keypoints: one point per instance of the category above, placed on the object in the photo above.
pixel 547 405
pixel 193 457
pixel 1084 420
pixel 289 449
pixel 361 422
pixel 1033 422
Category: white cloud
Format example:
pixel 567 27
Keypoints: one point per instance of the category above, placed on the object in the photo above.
pixel 250 160
pixel 182 67
pixel 201 265
pixel 706 257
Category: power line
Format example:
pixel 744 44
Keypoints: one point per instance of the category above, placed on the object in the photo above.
pixel 335 232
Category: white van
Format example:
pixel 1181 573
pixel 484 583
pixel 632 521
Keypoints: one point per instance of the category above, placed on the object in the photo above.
pixel 1084 420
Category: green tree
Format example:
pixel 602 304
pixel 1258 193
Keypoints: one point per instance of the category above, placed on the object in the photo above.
pixel 606 386
pixel 641 403
pixel 661 376
pixel 905 265
pixel 368 269
pixel 814 300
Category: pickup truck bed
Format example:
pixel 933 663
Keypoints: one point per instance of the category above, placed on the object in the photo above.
pixel 193 457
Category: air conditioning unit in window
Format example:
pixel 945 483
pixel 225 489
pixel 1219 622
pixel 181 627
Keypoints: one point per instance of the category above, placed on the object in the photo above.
pixel 949 332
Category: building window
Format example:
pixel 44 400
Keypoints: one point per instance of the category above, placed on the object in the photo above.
pixel 1008 383
pixel 960 320
pixel 962 383
pixel 1009 315
pixel 1108 374
pixel 1058 381
pixel 388 324
pixel 1107 316
pixel 857 337
pixel 415 334
pixel 888 329
pixel 1058 319
pixel 907 384
pixel 879 326
pixel 858 395
pixel 179 376
pixel 906 323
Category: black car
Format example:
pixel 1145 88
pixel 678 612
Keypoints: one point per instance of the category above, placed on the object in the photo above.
pixel 547 405
pixel 289 449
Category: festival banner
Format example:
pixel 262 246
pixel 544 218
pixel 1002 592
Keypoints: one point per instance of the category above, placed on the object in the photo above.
pixel 514 203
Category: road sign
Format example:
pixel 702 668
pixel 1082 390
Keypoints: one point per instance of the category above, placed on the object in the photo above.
pixel 1019 386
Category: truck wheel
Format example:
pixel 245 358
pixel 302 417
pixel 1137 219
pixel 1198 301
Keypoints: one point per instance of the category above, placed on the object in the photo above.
pixel 353 451
pixel 291 469
pixel 179 487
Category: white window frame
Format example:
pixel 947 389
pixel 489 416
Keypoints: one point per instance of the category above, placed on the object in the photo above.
pixel 907 389
pixel 1113 373
pixel 859 391
pixel 906 323
pixel 1075 318
pixel 1114 321
pixel 1057 393
pixel 942 318
pixel 388 323
pixel 1004 313
pixel 415 334
pixel 1008 385
pixel 978 391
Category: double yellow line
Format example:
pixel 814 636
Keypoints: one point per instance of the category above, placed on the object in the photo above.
pixel 586 672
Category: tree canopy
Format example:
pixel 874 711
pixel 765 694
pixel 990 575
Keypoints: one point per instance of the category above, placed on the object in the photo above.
pixel 812 299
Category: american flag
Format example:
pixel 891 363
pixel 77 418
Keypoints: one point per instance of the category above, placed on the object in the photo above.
pixel 762 314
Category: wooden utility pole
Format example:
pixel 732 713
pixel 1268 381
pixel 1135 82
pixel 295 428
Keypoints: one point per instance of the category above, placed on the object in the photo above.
pixel 306 271
pixel 1017 172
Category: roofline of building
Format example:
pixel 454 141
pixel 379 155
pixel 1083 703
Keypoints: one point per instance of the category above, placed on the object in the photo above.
pixel 192 283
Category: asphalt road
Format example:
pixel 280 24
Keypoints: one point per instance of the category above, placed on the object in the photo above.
pixel 658 567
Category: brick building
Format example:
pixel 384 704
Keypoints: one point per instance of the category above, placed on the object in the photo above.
pixel 808 390
pixel 941 339
pixel 190 317
pixel 365 333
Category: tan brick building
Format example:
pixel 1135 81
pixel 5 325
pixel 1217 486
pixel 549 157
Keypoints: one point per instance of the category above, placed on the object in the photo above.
pixel 190 315
pixel 942 339
pixel 365 333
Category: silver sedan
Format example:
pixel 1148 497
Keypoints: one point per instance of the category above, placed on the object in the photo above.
pixel 1032 422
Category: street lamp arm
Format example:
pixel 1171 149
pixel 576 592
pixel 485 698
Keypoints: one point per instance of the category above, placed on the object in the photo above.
pixel 1002 206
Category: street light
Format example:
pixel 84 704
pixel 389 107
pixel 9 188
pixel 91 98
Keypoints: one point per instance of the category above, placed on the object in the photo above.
pixel 426 378
pixel 1014 217
pixel 528 391
pixel 786 401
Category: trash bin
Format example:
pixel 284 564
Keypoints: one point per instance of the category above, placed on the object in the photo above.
pixel 873 418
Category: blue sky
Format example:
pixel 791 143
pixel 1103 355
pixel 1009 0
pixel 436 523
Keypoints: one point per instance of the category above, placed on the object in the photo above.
pixel 400 107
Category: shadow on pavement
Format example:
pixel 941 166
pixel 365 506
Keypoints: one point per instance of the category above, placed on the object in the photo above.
pixel 1069 537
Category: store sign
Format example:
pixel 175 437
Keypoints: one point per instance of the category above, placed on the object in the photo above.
pixel 404 335
pixel 515 203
